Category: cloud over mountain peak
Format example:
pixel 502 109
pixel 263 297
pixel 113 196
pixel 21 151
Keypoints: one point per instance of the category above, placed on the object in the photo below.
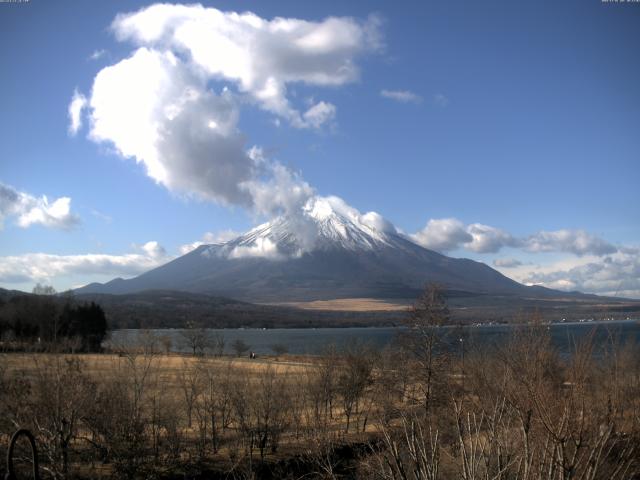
pixel 174 103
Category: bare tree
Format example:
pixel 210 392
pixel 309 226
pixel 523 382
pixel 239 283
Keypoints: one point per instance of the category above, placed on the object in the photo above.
pixel 167 343
pixel 270 407
pixel 241 400
pixel 411 453
pixel 321 387
pixel 214 401
pixel 197 339
pixel 429 312
pixel 189 379
pixel 354 378
pixel 218 342
pixel 279 349
pixel 62 396
pixel 40 289
pixel 117 428
pixel 240 347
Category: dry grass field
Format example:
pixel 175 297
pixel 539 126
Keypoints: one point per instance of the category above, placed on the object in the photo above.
pixel 98 365
pixel 519 411
pixel 352 305
pixel 180 409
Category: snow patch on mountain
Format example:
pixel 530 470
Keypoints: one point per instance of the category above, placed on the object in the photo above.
pixel 322 223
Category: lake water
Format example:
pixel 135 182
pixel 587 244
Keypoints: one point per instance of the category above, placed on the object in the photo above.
pixel 313 341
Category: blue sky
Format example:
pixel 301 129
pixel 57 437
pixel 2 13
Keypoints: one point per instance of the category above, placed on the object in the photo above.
pixel 520 117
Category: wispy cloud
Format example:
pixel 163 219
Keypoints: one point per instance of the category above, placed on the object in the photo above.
pixel 76 106
pixel 97 54
pixel 507 262
pixel 440 100
pixel 210 238
pixel 102 216
pixel 403 96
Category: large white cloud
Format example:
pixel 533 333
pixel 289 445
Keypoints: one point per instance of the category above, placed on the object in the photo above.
pixel 174 104
pixel 260 56
pixel 43 267
pixel 29 210
pixel 152 108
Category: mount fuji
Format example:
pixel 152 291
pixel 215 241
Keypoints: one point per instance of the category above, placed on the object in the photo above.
pixel 326 251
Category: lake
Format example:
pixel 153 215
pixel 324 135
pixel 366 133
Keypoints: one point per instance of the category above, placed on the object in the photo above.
pixel 313 341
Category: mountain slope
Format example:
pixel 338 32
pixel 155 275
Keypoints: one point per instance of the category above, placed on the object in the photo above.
pixel 330 251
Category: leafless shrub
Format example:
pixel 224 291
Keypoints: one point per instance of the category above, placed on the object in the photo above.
pixel 240 347
pixel 271 409
pixel 410 452
pixel 121 418
pixel 189 380
pixel 423 341
pixel 355 376
pixel 218 343
pixel 197 339
pixel 321 389
pixel 279 349
pixel 61 395
pixel 214 403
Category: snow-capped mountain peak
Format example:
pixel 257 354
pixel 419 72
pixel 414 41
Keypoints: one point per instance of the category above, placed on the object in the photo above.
pixel 339 222
pixel 324 250
pixel 322 223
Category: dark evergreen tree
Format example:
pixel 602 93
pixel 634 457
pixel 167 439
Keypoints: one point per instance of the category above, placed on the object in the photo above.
pixel 87 322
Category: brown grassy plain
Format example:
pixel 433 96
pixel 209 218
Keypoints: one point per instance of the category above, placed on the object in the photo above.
pixel 517 412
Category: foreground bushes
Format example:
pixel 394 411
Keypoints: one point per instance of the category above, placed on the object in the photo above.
pixel 519 411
